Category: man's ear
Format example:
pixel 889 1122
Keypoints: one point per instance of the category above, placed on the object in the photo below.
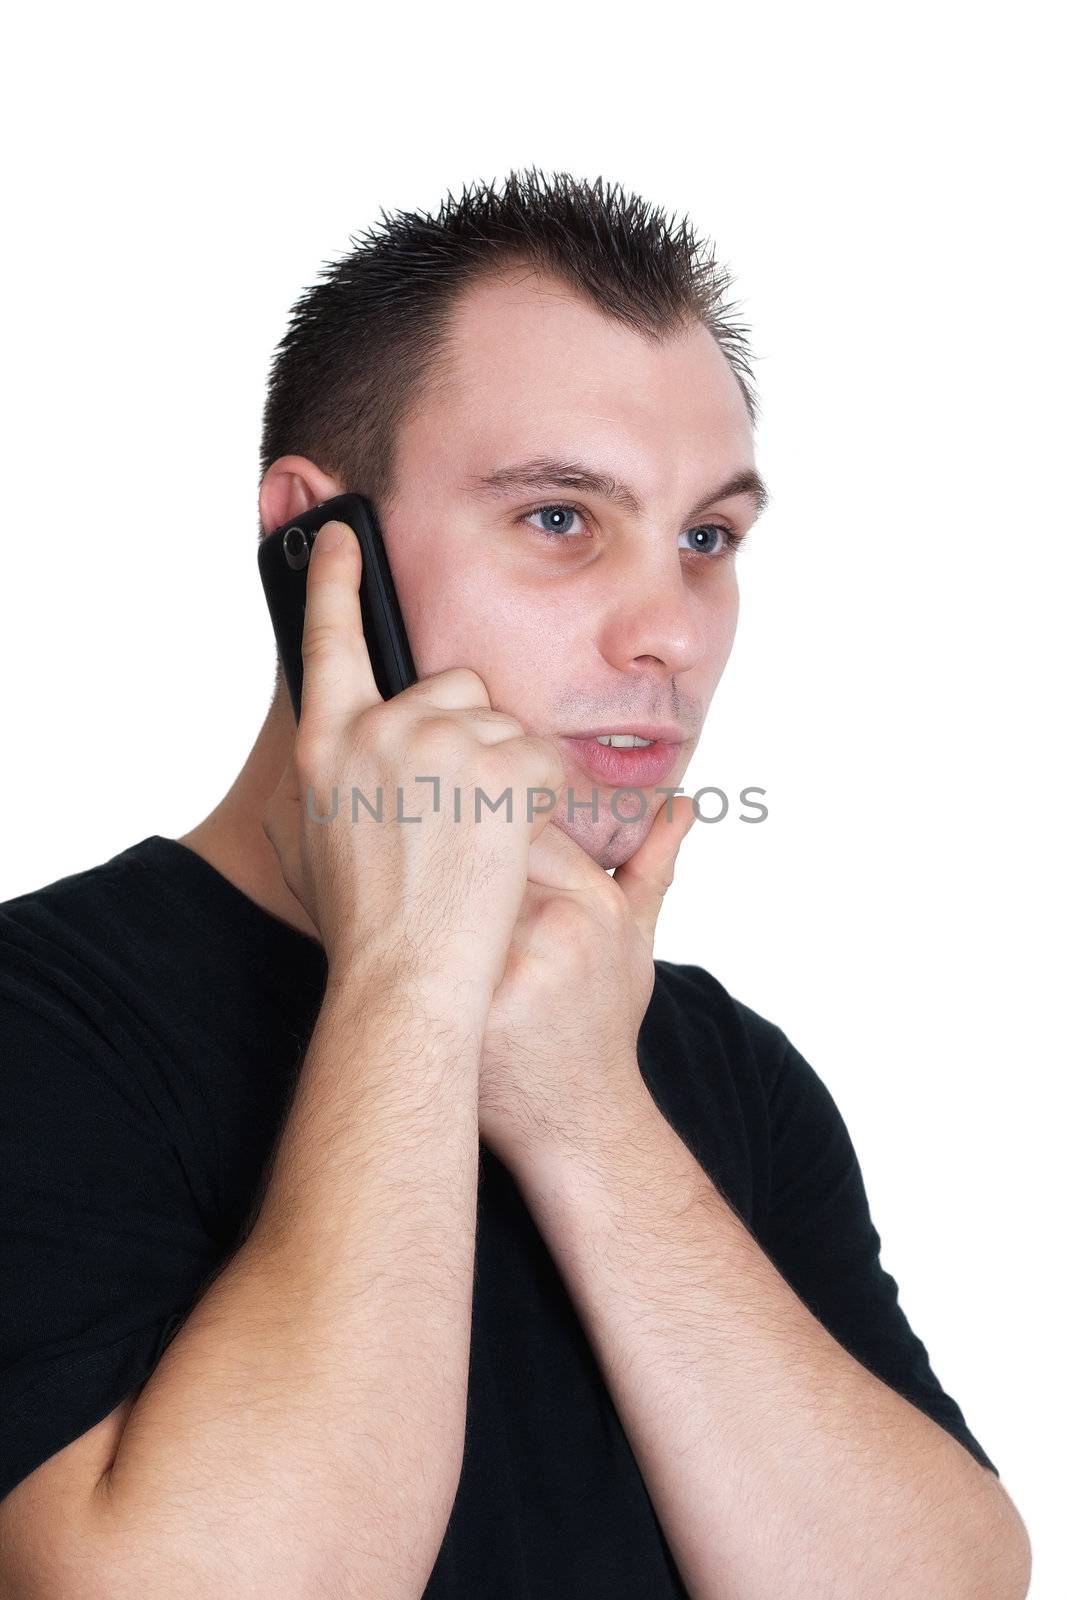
pixel 292 485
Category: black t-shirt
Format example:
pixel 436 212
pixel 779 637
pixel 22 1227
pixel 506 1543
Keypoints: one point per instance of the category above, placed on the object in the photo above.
pixel 153 1020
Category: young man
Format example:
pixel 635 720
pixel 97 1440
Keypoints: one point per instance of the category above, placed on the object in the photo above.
pixel 378 1219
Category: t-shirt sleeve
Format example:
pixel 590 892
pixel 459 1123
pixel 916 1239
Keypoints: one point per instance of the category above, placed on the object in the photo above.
pixel 102 1248
pixel 820 1236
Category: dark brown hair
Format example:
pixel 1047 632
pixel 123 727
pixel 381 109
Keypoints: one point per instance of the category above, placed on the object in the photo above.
pixel 365 343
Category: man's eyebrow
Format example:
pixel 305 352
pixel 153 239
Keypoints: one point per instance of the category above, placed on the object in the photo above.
pixel 551 472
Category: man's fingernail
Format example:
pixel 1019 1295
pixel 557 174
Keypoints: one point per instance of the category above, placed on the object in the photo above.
pixel 330 535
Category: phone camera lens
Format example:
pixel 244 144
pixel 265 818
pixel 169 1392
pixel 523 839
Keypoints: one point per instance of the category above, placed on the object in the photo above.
pixel 295 545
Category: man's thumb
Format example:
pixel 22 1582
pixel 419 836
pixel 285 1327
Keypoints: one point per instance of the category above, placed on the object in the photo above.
pixel 649 873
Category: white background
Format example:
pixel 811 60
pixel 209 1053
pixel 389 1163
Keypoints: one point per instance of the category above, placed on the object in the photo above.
pixel 883 182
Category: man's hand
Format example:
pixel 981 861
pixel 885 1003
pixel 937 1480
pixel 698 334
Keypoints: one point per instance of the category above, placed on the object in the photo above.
pixel 438 898
pixel 559 1056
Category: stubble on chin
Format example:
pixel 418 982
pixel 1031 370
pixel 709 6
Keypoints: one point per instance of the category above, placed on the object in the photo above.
pixel 609 846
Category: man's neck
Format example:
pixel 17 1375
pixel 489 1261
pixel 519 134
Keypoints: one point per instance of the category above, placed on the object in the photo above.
pixel 231 837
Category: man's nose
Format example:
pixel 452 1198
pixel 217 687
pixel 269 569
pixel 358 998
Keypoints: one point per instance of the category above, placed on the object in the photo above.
pixel 656 615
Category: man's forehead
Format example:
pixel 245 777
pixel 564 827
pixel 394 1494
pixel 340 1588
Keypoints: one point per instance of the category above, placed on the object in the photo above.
pixel 503 324
pixel 519 292
pixel 612 444
pixel 513 345
pixel 541 375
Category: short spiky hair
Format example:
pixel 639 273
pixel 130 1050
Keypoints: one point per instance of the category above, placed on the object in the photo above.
pixel 364 343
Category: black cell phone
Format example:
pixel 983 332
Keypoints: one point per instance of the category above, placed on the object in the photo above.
pixel 283 559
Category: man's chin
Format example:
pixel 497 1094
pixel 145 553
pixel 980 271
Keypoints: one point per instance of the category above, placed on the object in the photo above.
pixel 607 841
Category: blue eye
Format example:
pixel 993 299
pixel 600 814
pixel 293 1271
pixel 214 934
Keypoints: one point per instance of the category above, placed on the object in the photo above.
pixel 556 512
pixel 560 513
pixel 707 532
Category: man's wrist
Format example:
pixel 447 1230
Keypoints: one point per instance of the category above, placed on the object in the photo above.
pixel 631 1121
pixel 439 994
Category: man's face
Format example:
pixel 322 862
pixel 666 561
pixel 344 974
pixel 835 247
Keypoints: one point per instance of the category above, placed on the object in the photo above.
pixel 596 618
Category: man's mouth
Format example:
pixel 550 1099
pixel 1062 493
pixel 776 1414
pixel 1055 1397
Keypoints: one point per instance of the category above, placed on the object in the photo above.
pixel 625 760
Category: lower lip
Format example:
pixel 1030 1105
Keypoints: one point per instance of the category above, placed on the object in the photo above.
pixel 636 767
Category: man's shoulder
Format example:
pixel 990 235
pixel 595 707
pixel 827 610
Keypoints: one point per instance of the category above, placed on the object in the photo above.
pixel 713 1065
pixel 63 947
pixel 693 998
pixel 76 895
pixel 73 923
pixel 156 966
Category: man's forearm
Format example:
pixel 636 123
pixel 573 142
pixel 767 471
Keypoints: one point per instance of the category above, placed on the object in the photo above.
pixel 776 1463
pixel 303 1432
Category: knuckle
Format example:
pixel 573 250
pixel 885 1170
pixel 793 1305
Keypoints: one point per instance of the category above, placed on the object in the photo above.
pixel 504 719
pixel 437 731
pixel 492 764
pixel 319 640
pixel 374 721
pixel 466 679
pixel 612 906
pixel 567 924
